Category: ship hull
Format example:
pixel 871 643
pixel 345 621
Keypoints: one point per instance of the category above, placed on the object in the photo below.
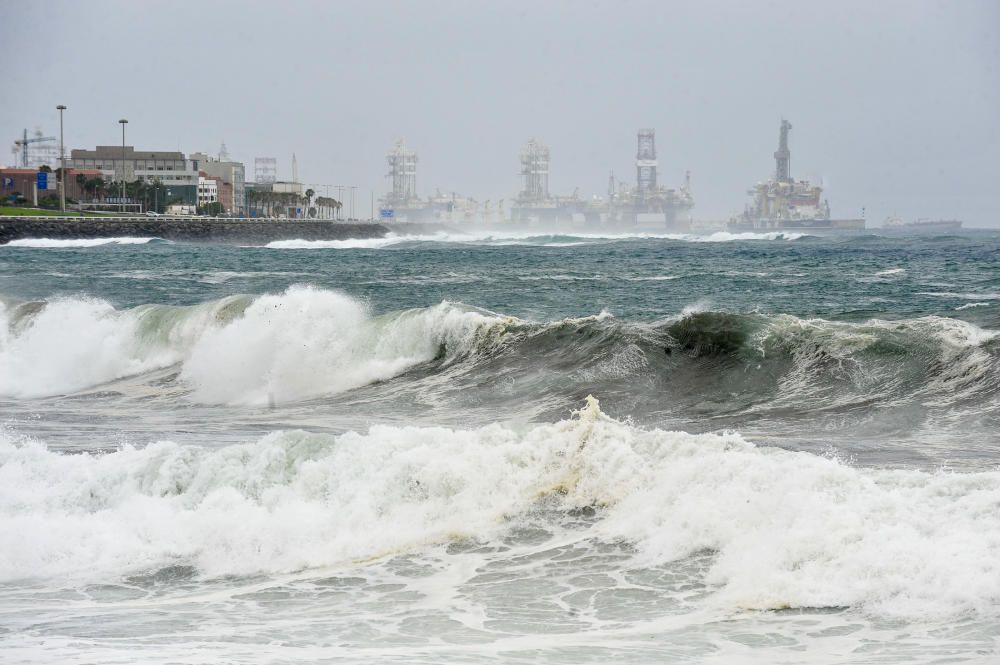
pixel 931 227
pixel 798 224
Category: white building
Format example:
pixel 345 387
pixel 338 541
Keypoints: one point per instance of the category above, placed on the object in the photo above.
pixel 232 172
pixel 208 191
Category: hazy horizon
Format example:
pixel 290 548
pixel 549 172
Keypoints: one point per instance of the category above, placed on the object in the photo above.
pixel 895 107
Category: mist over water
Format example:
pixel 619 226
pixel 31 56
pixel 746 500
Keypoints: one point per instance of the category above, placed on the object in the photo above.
pixel 501 447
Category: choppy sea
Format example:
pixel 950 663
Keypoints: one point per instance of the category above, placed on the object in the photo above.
pixel 502 448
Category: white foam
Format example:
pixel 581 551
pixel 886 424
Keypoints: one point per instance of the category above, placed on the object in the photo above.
pixel 971 305
pixel 788 529
pixel 555 239
pixel 57 243
pixel 725 236
pixel 304 342
pixel 961 296
pixel 655 278
pixel 75 343
pixel 308 342
pixel 351 243
pixel 890 271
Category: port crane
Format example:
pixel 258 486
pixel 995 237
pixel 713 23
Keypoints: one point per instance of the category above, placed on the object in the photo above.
pixel 22 144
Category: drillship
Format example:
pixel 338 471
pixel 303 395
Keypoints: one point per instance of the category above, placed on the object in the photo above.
pixel 782 203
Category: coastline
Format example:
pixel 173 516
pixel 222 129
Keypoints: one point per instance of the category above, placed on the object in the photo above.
pixel 246 231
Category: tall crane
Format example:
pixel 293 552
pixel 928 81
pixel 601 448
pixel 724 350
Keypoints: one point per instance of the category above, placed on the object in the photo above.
pixel 24 142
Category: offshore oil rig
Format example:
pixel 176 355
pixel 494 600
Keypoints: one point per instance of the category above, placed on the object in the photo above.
pixel 647 205
pixel 403 203
pixel 783 203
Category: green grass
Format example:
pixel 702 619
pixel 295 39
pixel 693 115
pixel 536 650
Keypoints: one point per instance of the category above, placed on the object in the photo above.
pixel 18 211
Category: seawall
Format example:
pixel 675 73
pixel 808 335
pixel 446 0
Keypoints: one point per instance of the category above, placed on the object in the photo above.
pixel 196 229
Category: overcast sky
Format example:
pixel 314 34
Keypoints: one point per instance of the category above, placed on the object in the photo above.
pixel 895 105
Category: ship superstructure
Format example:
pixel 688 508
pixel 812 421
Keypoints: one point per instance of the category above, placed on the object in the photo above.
pixel 784 203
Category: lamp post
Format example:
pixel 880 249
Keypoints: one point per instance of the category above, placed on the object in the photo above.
pixel 123 122
pixel 62 162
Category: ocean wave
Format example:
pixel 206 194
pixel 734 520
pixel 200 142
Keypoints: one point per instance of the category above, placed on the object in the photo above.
pixel 961 296
pixel 307 342
pixel 58 243
pixel 784 529
pixel 301 343
pixel 532 238
pixel 352 243
pixel 725 236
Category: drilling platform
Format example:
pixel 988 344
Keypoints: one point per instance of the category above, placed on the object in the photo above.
pixel 782 203
pixel 402 202
pixel 534 203
pixel 647 206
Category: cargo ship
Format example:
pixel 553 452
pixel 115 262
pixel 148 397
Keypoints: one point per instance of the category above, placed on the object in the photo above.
pixel 923 225
pixel 782 203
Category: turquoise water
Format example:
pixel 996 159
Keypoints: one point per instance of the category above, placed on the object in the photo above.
pixel 502 447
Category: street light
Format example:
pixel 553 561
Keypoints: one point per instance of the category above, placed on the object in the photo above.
pixel 123 122
pixel 62 162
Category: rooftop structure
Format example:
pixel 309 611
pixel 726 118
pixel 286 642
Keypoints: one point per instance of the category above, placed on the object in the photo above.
pixel 265 170
pixel 36 150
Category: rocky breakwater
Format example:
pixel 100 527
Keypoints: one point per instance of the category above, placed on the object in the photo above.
pixel 196 229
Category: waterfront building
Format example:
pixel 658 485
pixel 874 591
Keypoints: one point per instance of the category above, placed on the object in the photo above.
pixel 172 169
pixel 233 174
pixel 208 189
pixel 24 182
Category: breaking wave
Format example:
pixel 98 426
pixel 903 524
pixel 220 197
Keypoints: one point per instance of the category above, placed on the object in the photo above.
pixel 57 243
pixel 783 529
pixel 308 342
pixel 249 350
pixel 539 238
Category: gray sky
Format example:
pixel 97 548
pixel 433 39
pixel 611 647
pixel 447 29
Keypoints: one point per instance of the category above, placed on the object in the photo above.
pixel 895 104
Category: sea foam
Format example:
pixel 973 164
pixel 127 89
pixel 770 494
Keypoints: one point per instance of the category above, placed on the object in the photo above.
pixel 301 343
pixel 784 529
pixel 57 243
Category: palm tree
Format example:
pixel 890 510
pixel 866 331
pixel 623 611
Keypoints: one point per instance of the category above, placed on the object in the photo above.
pixel 309 195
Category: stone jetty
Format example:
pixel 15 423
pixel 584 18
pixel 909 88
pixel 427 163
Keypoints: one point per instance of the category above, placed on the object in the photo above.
pixel 198 229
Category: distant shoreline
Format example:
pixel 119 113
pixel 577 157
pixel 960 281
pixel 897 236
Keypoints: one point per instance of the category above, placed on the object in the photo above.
pixel 244 231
